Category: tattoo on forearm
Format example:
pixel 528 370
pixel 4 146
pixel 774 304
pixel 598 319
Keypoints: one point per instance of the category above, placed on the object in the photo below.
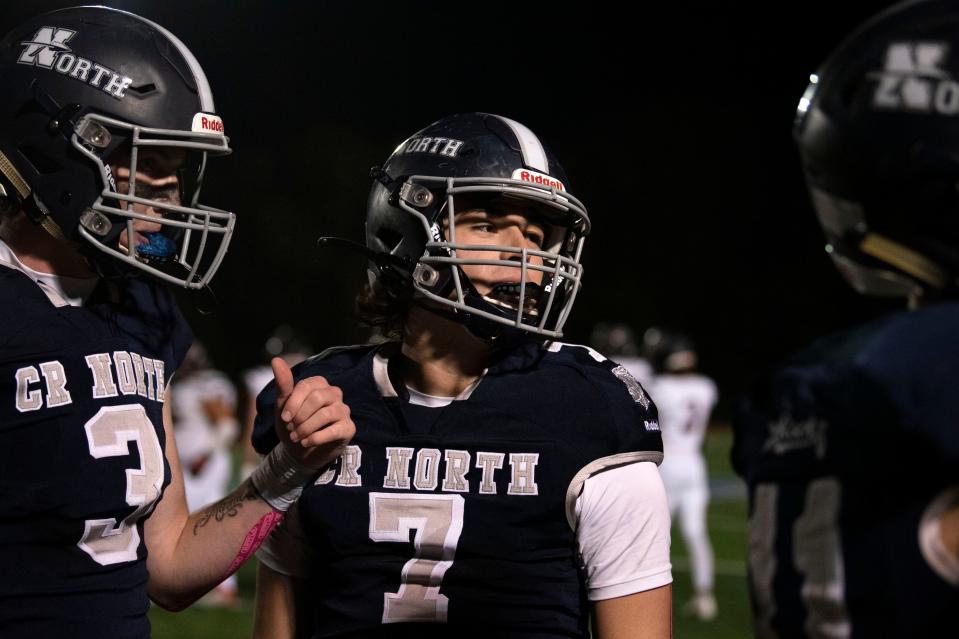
pixel 227 507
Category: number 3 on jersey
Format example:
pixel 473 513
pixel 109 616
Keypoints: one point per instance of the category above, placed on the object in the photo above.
pixel 108 435
pixel 438 522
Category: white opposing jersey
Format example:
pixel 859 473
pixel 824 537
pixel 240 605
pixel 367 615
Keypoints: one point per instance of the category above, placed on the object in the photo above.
pixel 257 378
pixel 685 402
pixel 195 434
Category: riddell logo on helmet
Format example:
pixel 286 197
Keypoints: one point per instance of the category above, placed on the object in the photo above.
pixel 207 123
pixel 914 79
pixel 535 177
pixel 48 50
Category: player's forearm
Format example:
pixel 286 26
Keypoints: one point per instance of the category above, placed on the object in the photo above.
pixel 644 615
pixel 274 611
pixel 213 543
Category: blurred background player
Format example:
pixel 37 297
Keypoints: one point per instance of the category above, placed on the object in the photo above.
pixel 206 428
pixel 286 343
pixel 685 399
pixel 617 341
pixel 851 449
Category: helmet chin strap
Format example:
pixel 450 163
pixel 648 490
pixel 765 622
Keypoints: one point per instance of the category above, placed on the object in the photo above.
pixel 905 259
pixel 13 177
pixel 31 205
pixel 393 271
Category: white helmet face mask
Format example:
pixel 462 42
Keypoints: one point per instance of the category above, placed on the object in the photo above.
pixel 529 307
pixel 193 238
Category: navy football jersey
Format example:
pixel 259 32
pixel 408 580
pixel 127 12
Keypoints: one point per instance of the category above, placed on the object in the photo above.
pixel 463 514
pixel 81 454
pixel 843 449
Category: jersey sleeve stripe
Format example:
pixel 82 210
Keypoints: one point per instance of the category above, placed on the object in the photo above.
pixel 603 463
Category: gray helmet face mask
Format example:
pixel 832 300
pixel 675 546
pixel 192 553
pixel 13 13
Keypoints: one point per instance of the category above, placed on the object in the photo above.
pixel 560 268
pixel 494 161
pixel 203 233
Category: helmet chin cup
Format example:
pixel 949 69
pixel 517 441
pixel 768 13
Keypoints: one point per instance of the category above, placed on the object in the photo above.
pixel 474 316
pixel 494 333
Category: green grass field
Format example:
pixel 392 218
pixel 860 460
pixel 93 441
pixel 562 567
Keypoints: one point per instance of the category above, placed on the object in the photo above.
pixel 727 530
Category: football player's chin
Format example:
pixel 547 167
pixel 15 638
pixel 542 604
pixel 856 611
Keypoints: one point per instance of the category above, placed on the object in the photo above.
pixel 124 241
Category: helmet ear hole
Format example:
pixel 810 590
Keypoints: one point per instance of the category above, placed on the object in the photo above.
pixel 41 163
pixel 390 238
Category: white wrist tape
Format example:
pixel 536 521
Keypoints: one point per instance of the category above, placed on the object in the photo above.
pixel 280 478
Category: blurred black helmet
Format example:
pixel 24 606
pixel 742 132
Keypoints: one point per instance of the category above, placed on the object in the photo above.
pixel 878 133
pixel 86 86
pixel 287 343
pixel 463 161
pixel 669 351
pixel 614 339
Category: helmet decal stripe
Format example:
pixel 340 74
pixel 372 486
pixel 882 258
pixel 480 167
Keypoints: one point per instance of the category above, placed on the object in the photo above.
pixel 202 85
pixel 534 156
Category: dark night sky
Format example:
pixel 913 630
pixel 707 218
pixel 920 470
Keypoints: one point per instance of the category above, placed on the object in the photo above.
pixel 674 127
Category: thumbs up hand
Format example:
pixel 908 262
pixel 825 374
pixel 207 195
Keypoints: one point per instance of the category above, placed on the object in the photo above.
pixel 312 421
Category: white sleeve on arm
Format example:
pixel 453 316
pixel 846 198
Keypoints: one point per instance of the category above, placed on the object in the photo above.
pixel 622 529
pixel 286 550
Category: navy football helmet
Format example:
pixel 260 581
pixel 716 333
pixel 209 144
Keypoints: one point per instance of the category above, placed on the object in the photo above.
pixel 87 87
pixel 459 161
pixel 878 130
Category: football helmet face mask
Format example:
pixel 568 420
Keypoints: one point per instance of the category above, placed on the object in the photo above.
pixel 877 130
pixel 88 90
pixel 466 162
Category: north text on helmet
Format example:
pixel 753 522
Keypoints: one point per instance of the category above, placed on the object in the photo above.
pixel 48 50
pixel 436 146
pixel 914 80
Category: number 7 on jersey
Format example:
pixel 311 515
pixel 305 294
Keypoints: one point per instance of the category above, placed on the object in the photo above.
pixel 438 522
